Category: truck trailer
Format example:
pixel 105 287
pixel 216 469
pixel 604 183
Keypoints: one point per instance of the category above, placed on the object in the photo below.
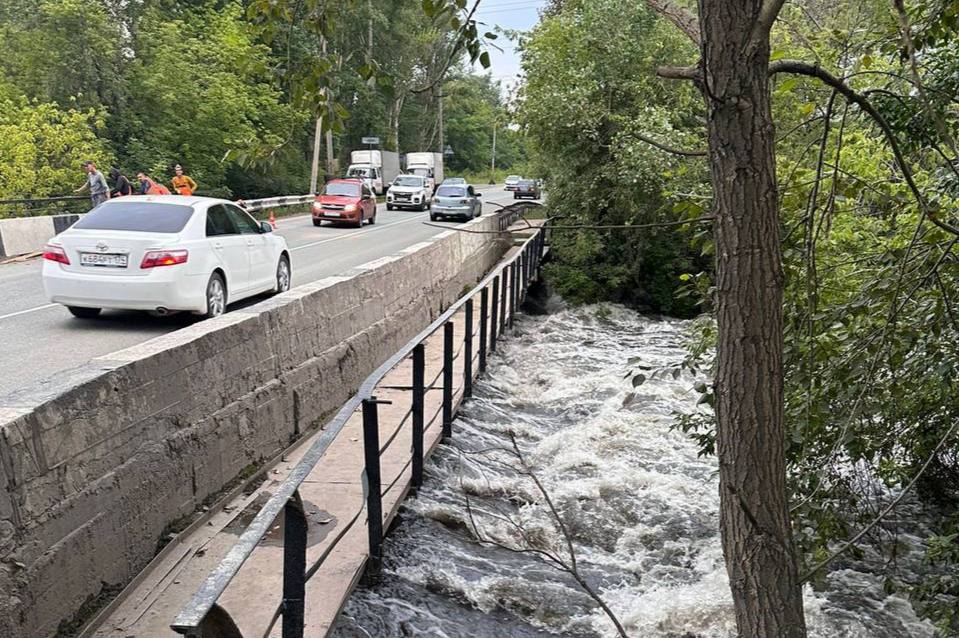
pixel 428 165
pixel 377 168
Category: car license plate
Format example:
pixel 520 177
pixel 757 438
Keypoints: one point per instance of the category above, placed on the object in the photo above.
pixel 328 213
pixel 103 260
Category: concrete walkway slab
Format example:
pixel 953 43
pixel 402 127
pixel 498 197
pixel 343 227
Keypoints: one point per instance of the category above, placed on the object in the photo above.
pixel 334 503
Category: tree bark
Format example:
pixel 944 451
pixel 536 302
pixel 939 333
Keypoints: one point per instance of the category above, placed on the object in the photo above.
pixel 754 514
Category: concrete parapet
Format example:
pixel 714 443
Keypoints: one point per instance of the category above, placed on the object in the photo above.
pixel 99 462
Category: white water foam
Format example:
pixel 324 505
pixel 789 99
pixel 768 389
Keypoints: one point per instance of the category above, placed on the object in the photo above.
pixel 639 503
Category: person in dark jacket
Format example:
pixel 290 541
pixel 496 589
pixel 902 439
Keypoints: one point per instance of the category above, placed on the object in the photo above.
pixel 121 185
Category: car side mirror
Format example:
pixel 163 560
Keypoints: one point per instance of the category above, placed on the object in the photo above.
pixel 478 195
pixel 266 227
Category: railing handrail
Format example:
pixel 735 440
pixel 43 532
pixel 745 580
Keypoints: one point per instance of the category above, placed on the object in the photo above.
pixel 253 205
pixel 202 602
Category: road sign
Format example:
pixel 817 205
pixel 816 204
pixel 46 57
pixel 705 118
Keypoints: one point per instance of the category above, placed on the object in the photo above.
pixel 371 141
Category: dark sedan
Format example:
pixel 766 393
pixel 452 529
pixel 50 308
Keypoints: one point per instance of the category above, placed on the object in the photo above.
pixel 527 188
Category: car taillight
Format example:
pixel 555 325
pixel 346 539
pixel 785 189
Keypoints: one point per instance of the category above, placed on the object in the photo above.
pixel 156 258
pixel 55 253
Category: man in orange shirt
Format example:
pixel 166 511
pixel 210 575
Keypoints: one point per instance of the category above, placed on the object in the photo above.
pixel 183 184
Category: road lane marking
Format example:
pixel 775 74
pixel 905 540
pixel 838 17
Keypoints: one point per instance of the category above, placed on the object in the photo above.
pixel 28 310
pixel 364 231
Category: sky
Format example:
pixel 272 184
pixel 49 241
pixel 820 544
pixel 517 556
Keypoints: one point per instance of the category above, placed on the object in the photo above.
pixel 508 14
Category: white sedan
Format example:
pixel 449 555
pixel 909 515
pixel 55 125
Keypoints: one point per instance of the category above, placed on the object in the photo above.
pixel 164 253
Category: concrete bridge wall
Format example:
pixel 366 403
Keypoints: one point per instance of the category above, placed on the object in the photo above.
pixel 98 463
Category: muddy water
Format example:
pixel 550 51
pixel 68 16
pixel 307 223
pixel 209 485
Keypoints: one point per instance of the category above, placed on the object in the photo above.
pixel 480 552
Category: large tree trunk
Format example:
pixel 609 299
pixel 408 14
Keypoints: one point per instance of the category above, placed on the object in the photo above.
pixel 754 517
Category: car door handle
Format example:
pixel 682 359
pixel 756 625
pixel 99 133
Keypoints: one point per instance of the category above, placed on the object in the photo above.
pixel 249 242
pixel 217 245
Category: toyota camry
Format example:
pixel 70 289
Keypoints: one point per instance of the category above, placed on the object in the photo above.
pixel 163 254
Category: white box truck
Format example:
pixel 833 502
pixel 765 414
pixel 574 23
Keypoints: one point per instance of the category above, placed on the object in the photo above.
pixel 377 168
pixel 428 165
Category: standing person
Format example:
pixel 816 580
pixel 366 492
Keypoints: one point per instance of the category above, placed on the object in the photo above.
pixel 183 184
pixel 121 185
pixel 149 187
pixel 96 183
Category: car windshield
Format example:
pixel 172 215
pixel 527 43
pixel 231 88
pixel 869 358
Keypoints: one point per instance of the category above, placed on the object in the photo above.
pixel 144 217
pixel 424 172
pixel 451 191
pixel 513 178
pixel 456 180
pixel 408 180
pixel 346 190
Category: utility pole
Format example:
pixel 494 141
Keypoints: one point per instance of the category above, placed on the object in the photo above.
pixel 492 166
pixel 315 169
pixel 329 150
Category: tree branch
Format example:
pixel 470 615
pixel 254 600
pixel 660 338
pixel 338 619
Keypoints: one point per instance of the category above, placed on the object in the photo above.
pixel 668 149
pixel 764 23
pixel 457 47
pixel 685 20
pixel 804 68
pixel 679 72
pixel 818 566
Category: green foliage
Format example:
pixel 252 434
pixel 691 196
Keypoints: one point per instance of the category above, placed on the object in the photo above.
pixel 590 88
pixel 43 146
pixel 231 89
pixel 204 93
pixel 871 321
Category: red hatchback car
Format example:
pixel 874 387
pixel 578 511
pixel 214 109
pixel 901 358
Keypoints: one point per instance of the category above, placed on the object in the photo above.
pixel 345 200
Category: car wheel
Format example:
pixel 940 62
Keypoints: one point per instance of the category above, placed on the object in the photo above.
pixel 284 276
pixel 83 313
pixel 389 207
pixel 215 296
pixel 373 218
pixel 317 222
pixel 433 217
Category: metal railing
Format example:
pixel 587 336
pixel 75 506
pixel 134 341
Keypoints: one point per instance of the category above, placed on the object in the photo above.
pixel 509 215
pixel 253 205
pixel 500 294
pixel 79 204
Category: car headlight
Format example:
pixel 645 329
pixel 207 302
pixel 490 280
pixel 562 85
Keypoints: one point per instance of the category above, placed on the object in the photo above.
pixel 350 208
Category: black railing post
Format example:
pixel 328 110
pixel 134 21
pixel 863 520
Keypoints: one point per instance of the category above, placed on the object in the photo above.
pixel 374 503
pixel 294 566
pixel 513 291
pixel 494 315
pixel 447 380
pixel 468 350
pixel 419 368
pixel 484 317
pixel 522 296
pixel 502 300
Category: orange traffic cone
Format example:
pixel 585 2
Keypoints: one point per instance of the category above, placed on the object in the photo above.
pixel 272 220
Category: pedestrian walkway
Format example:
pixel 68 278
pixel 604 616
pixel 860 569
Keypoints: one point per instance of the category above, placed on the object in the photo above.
pixel 333 499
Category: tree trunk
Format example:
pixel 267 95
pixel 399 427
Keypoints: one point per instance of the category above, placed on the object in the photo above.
pixel 754 516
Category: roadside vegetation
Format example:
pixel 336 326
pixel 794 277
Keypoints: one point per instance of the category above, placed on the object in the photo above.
pixel 867 175
pixel 228 94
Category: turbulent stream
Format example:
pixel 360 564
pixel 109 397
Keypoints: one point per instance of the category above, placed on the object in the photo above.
pixel 474 553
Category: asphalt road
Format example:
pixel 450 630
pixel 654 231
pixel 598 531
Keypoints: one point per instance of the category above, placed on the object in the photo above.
pixel 40 338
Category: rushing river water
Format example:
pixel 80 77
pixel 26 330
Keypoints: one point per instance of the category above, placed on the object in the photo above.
pixel 474 555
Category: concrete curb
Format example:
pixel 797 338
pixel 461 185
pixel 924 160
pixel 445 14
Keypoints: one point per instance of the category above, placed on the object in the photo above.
pixel 22 235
